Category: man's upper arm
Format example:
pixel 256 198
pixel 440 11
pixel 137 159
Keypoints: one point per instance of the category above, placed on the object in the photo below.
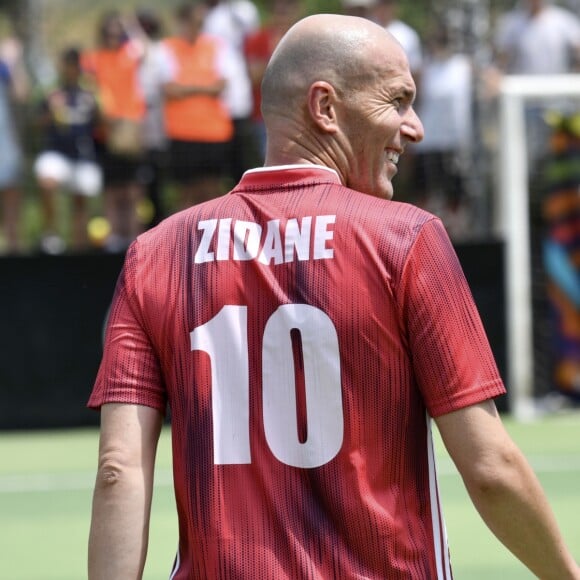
pixel 129 435
pixel 474 437
pixel 130 370
pixel 452 359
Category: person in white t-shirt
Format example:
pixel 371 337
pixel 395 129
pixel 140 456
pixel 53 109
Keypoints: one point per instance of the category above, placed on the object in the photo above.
pixel 538 38
pixel 233 21
pixel 155 63
pixel 385 14
pixel 445 106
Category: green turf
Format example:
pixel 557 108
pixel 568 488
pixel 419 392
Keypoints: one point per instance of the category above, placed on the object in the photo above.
pixel 45 502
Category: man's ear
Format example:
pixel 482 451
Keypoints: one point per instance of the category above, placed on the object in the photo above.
pixel 322 99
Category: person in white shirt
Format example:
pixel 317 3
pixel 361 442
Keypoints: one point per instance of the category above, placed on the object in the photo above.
pixel 385 14
pixel 155 63
pixel 537 37
pixel 233 21
pixel 445 106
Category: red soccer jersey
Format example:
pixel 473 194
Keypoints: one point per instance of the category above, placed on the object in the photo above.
pixel 302 334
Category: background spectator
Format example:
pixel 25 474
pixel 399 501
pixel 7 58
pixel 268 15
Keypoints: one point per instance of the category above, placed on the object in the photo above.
pixel 446 110
pixel 197 120
pixel 155 60
pixel 385 13
pixel 69 116
pixel 232 21
pixel 260 46
pixel 11 165
pixel 114 69
pixel 537 38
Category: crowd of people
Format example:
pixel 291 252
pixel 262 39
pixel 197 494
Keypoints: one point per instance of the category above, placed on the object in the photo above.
pixel 158 116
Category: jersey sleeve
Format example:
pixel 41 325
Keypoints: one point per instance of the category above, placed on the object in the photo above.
pixel 130 370
pixel 451 355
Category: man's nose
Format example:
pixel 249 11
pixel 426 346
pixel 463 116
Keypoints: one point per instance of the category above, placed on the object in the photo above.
pixel 412 127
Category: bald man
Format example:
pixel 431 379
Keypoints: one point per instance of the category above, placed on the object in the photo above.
pixel 304 330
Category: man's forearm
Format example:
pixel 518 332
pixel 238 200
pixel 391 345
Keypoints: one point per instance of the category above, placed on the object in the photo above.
pixel 119 526
pixel 515 508
pixel 123 491
pixel 505 490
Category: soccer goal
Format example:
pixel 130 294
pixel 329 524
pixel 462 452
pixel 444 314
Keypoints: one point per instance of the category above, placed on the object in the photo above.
pixel 513 222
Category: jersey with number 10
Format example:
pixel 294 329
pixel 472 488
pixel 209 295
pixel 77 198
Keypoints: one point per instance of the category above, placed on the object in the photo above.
pixel 303 335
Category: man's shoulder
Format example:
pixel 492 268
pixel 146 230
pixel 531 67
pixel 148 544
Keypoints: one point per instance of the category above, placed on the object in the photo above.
pixel 387 217
pixel 406 218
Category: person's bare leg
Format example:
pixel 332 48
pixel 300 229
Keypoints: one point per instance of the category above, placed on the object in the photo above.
pixel 80 218
pixel 48 193
pixel 134 196
pixel 111 196
pixel 120 203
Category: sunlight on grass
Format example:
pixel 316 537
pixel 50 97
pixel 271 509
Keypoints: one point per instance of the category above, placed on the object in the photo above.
pixel 46 483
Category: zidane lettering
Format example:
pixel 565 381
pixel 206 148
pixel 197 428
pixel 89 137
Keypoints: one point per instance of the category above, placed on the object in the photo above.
pixel 277 242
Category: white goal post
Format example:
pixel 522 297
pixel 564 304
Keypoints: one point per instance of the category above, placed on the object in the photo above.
pixel 514 224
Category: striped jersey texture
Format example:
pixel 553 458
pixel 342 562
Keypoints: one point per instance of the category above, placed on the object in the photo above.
pixel 303 334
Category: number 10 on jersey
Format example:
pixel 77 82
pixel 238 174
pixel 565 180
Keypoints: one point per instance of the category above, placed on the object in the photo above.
pixel 225 339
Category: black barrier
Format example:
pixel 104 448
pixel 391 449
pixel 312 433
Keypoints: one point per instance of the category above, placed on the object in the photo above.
pixel 483 264
pixel 52 311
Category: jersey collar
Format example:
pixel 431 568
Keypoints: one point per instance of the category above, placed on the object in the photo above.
pixel 263 177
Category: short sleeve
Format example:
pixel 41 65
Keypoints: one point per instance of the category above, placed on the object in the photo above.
pixel 130 370
pixel 450 352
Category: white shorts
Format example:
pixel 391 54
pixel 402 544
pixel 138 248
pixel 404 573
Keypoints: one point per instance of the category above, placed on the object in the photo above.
pixel 81 177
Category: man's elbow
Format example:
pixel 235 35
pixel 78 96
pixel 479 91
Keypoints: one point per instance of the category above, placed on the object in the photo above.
pixel 496 474
pixel 113 470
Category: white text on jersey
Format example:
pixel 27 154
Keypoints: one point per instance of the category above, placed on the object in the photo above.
pixel 226 239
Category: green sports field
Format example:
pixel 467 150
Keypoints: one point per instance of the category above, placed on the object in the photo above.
pixel 45 500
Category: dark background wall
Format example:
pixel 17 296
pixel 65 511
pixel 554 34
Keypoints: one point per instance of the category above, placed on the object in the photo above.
pixel 52 312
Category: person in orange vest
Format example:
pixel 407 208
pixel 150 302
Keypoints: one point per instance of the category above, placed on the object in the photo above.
pixel 114 68
pixel 197 121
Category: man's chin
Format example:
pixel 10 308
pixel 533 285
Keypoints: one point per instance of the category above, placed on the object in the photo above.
pixel 386 191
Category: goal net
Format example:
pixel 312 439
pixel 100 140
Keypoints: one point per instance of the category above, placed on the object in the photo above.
pixel 524 166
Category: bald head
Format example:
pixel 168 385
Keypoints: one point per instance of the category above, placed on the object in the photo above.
pixel 345 51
